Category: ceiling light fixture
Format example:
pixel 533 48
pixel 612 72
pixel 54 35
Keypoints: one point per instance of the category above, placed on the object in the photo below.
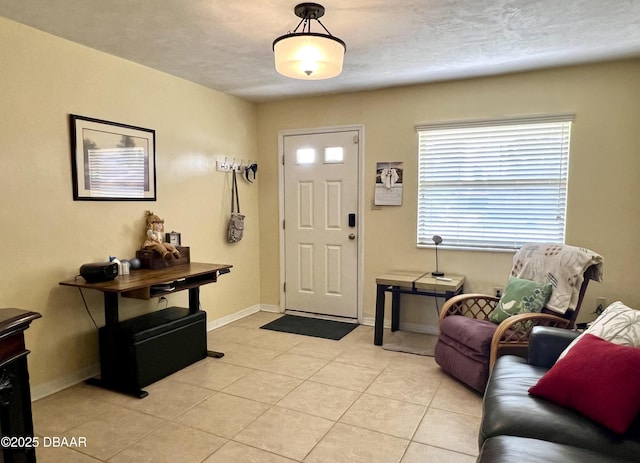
pixel 309 55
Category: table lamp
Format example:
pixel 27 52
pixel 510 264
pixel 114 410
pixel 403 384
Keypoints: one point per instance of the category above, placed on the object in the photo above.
pixel 437 239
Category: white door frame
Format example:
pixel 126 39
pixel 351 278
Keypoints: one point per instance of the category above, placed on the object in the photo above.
pixel 360 218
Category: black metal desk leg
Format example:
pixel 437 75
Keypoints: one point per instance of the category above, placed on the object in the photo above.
pixel 379 323
pixel 194 306
pixel 395 309
pixel 194 299
pixel 111 309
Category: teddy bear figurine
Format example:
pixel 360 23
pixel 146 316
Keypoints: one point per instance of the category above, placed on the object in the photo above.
pixel 155 238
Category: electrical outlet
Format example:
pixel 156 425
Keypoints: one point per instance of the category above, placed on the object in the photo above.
pixel 497 291
pixel 601 304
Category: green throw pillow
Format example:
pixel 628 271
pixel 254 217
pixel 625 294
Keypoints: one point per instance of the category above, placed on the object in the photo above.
pixel 521 296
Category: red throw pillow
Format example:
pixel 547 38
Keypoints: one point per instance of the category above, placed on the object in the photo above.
pixel 597 378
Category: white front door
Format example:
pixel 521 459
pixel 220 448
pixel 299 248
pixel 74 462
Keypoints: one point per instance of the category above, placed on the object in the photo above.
pixel 321 223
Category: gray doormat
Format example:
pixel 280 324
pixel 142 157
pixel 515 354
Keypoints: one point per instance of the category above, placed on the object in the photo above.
pixel 327 329
pixel 412 343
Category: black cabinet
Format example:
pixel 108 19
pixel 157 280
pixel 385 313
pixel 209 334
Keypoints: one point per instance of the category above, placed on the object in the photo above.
pixel 16 422
pixel 139 351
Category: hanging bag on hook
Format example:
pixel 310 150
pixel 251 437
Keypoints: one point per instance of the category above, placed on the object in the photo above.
pixel 236 221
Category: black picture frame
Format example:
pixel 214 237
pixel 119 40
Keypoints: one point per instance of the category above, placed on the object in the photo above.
pixel 112 161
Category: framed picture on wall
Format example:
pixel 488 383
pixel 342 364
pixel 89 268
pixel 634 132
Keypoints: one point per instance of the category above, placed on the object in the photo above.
pixel 112 161
pixel 389 181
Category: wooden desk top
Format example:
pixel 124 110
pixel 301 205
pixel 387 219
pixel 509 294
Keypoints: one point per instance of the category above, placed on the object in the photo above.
pixel 144 278
pixel 421 281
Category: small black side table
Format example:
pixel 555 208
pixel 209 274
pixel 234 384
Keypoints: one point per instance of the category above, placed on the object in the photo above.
pixel 416 283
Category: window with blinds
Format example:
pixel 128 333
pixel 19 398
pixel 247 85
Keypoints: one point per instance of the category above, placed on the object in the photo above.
pixel 493 184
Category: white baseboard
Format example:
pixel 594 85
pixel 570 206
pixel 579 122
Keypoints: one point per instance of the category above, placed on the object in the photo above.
pixel 427 329
pixel 270 308
pixel 64 382
pixel 218 322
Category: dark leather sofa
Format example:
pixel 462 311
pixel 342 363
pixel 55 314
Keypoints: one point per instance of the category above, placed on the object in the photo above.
pixel 519 427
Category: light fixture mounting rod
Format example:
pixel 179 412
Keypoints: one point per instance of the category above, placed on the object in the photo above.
pixel 309 11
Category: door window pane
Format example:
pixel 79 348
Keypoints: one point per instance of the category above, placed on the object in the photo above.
pixel 305 156
pixel 333 155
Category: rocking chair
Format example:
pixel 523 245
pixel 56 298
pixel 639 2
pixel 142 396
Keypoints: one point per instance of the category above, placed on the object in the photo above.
pixel 469 342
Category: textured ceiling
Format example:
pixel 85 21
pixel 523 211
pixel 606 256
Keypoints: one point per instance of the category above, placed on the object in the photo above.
pixel 227 45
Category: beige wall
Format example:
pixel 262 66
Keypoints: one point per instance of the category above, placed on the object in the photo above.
pixel 47 235
pixel 603 203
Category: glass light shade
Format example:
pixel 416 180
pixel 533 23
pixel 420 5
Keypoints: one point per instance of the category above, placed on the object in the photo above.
pixel 309 56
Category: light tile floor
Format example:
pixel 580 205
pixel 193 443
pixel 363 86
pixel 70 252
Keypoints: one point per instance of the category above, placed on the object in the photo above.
pixel 274 398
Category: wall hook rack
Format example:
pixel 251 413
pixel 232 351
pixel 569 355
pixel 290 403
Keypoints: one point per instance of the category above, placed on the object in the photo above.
pixel 224 164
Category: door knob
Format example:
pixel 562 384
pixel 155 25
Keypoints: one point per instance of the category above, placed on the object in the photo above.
pixel 352 236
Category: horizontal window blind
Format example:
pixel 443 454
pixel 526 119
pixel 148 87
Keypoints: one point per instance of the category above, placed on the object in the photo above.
pixel 493 185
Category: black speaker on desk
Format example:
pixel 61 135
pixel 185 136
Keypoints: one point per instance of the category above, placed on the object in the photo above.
pixel 99 272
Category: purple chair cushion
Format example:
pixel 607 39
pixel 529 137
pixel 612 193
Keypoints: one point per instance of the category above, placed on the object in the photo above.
pixel 463 349
pixel 472 337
